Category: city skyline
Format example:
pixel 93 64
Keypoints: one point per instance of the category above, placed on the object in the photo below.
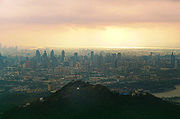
pixel 89 59
pixel 83 23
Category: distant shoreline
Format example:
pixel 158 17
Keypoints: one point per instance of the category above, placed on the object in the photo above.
pixel 169 92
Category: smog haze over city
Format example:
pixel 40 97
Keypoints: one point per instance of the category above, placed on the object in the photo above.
pixel 89 59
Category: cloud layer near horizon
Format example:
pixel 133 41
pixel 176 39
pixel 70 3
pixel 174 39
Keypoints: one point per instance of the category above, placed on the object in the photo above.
pixel 88 11
pixel 87 23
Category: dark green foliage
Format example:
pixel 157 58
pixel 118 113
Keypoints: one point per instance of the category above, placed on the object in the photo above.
pixel 79 100
pixel 10 100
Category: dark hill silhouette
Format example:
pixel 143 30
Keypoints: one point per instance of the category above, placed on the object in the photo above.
pixel 80 100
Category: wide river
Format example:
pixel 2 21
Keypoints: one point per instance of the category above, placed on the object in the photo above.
pixel 172 93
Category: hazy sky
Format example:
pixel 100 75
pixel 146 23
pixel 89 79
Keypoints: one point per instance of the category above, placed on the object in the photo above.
pixel 90 23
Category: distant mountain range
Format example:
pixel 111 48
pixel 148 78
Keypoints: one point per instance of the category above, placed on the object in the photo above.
pixel 80 100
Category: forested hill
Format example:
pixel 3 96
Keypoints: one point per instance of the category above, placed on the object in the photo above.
pixel 80 100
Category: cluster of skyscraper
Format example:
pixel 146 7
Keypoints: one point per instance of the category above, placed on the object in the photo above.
pixel 75 60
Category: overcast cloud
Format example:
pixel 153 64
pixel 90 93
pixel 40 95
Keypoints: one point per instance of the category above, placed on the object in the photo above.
pixel 88 11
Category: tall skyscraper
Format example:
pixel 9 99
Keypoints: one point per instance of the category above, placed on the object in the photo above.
pixel 92 56
pixel 158 61
pixel 45 55
pixel 45 59
pixel 38 57
pixel 38 53
pixel 52 54
pixel 63 56
pixel 119 56
pixel 100 60
pixel 75 56
pixel 151 53
pixel 114 60
pixel 172 60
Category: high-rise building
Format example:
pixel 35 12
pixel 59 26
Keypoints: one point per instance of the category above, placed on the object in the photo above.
pixel 119 56
pixel 37 57
pixel 114 60
pixel 38 53
pixel 158 61
pixel 45 54
pixel 75 56
pixel 63 56
pixel 45 59
pixel 53 60
pixel 100 60
pixel 151 53
pixel 172 60
pixel 92 56
pixel 108 58
pixel 52 54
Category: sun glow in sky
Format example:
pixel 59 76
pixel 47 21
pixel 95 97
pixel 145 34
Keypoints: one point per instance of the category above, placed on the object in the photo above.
pixel 90 23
